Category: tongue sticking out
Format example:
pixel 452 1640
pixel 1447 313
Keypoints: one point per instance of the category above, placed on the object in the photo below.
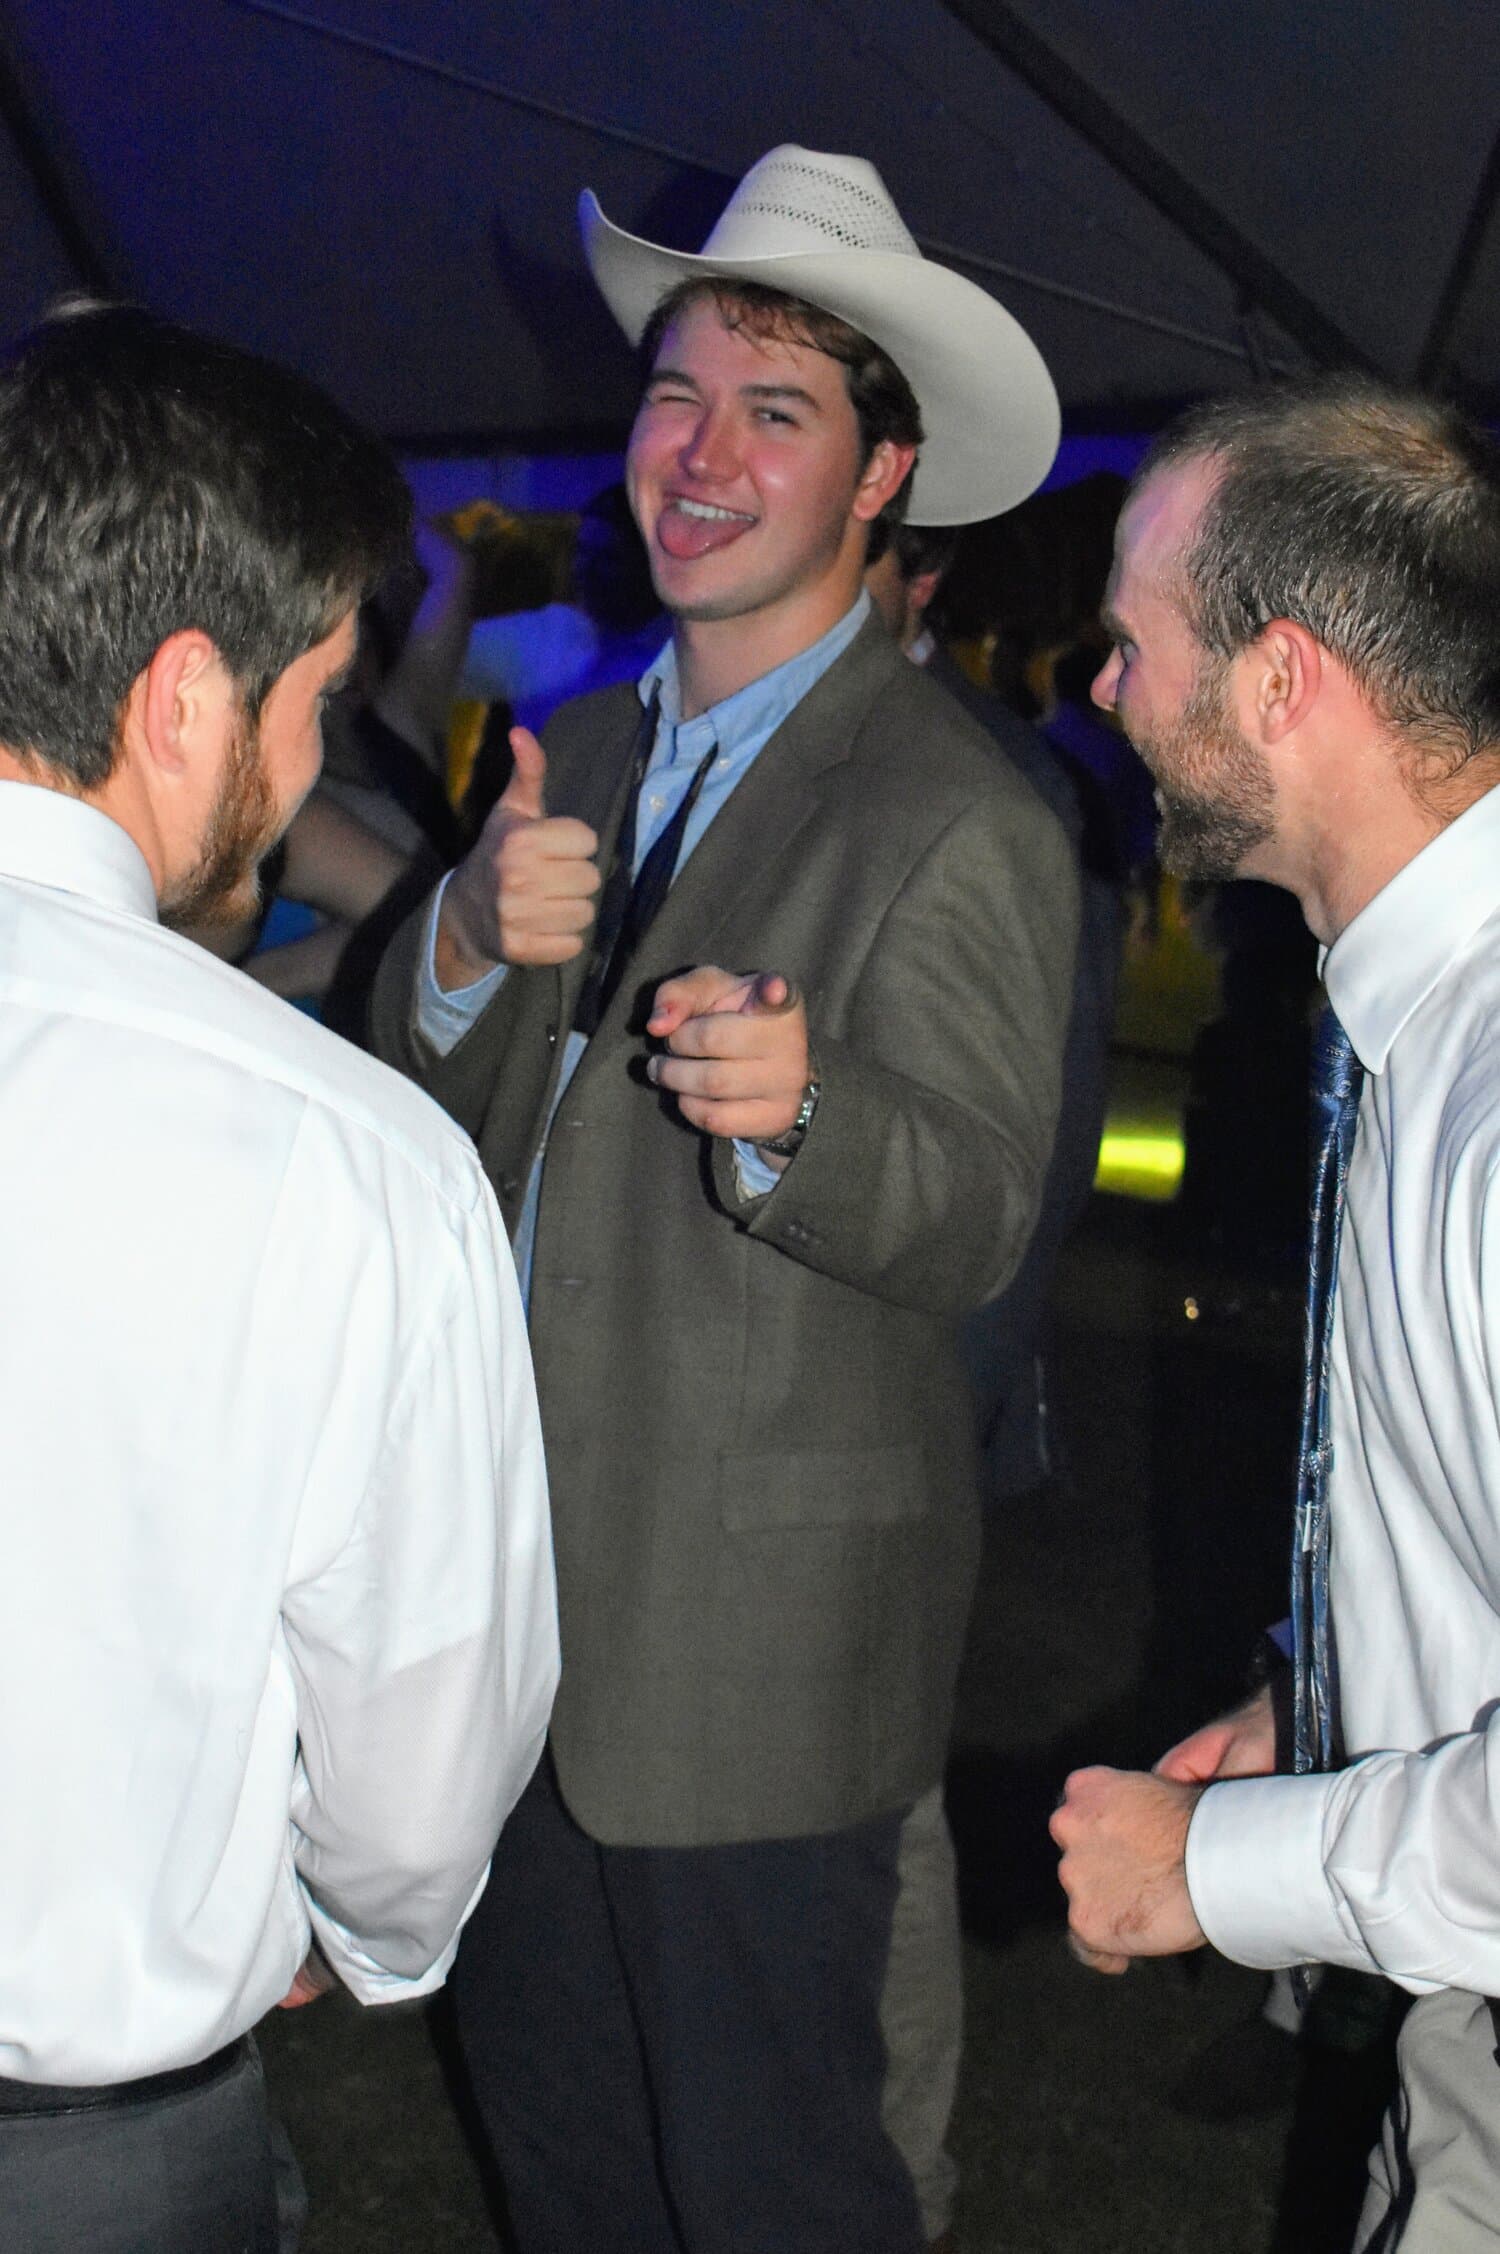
pixel 685 537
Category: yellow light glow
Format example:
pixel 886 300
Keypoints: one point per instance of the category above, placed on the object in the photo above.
pixel 1136 1164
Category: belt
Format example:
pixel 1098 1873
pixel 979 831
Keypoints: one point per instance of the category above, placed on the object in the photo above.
pixel 62 2097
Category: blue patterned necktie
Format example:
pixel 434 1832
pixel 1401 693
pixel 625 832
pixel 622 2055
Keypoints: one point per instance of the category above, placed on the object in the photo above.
pixel 1337 1076
pixel 628 902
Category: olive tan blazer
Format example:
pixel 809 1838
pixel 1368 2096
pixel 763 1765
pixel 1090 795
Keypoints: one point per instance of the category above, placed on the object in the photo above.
pixel 758 1431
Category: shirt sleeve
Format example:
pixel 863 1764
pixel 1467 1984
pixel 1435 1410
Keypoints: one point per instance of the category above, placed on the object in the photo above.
pixel 528 653
pixel 425 1652
pixel 754 1175
pixel 1389 1866
pixel 444 1015
pixel 493 664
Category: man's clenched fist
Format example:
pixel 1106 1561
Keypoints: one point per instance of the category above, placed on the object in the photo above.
pixel 1124 1842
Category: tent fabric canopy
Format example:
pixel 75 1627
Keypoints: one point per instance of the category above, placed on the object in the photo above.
pixel 1173 196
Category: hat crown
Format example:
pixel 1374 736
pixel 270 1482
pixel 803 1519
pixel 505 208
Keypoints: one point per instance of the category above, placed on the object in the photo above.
pixel 798 200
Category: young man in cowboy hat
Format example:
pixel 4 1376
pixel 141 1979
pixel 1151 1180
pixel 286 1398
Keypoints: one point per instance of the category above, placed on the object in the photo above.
pixel 753 994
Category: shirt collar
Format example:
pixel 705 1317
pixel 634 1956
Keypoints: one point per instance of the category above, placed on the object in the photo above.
pixel 760 706
pixel 1382 967
pixel 50 838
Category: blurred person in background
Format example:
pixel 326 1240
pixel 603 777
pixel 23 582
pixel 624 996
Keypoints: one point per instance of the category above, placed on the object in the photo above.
pixel 922 2002
pixel 608 627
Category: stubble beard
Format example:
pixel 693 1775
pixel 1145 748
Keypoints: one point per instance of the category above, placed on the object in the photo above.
pixel 1207 832
pixel 243 825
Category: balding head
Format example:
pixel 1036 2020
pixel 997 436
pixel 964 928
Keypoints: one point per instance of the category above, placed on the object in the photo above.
pixel 1367 515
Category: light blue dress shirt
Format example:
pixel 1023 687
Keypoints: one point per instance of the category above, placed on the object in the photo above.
pixel 741 727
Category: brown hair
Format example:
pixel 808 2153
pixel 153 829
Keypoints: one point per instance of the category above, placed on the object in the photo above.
pixel 1370 516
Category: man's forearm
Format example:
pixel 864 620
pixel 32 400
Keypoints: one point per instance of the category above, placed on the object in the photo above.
pixel 1391 1865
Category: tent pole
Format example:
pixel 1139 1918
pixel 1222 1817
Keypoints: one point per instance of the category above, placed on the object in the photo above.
pixel 1080 105
pixel 1460 276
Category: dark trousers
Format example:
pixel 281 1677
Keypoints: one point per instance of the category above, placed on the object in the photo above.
pixel 678 2051
pixel 188 2174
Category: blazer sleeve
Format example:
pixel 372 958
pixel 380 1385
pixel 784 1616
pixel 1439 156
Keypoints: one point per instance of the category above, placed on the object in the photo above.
pixel 921 1176
pixel 463 1080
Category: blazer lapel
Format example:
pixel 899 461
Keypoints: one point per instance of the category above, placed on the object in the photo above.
pixel 761 818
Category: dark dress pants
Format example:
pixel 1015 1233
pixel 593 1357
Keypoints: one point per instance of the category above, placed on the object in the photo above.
pixel 678 2051
pixel 188 2174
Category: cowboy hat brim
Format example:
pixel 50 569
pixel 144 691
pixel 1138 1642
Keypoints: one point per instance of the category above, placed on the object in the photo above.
pixel 989 409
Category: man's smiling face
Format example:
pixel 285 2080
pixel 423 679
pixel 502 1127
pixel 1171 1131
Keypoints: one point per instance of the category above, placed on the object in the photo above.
pixel 743 470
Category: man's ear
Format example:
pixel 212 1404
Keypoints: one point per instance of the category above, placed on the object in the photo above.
pixel 179 702
pixel 1285 677
pixel 881 480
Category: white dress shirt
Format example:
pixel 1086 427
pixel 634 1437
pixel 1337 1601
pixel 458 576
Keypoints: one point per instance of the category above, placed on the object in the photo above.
pixel 277 1622
pixel 1393 1865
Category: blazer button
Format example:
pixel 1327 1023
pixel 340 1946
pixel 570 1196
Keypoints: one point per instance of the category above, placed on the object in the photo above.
pixel 795 1233
pixel 552 1036
pixel 509 1186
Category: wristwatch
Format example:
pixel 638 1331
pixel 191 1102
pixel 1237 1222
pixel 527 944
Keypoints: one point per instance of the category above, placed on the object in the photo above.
pixel 790 1141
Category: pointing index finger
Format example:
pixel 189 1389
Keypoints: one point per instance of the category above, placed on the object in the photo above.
pixel 772 994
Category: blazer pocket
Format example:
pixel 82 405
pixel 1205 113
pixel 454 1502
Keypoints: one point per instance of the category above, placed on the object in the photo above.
pixel 761 1490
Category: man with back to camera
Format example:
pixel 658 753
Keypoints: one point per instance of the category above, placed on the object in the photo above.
pixel 1307 655
pixel 277 1626
pixel 753 1202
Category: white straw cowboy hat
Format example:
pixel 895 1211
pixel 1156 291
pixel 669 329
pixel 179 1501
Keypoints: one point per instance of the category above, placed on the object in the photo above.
pixel 824 228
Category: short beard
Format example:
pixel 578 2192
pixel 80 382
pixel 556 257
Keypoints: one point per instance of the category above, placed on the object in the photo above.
pixel 242 827
pixel 1209 834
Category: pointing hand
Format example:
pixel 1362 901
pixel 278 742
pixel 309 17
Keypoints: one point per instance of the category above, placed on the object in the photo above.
pixel 736 1050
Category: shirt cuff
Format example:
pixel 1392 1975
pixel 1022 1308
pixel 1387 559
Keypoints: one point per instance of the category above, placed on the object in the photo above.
pixel 444 1016
pixel 370 1982
pixel 754 1176
pixel 1255 1872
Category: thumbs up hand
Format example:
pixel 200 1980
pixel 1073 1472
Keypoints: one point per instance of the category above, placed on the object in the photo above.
pixel 525 894
pixel 523 797
pixel 736 1055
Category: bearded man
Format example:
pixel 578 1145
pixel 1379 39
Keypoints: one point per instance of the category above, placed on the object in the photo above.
pixel 1306 616
pixel 277 1625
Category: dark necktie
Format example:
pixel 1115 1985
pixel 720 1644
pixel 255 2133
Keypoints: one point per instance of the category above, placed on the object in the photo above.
pixel 1337 1077
pixel 628 904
